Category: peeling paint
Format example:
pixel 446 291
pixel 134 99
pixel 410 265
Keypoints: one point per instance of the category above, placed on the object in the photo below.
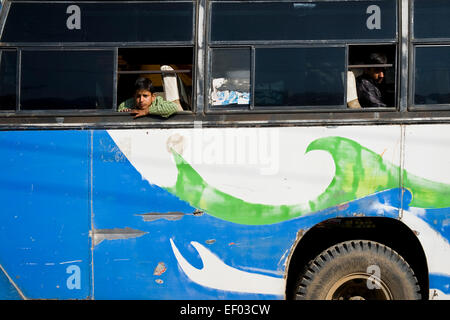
pixel 115 234
pixel 358 214
pixel 153 216
pixel 198 213
pixel 210 241
pixel 160 269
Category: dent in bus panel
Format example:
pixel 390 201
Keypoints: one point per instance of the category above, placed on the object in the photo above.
pixel 230 85
pixel 72 79
pixel 8 67
pixel 432 75
pixel 299 77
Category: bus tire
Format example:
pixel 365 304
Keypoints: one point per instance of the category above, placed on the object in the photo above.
pixel 357 270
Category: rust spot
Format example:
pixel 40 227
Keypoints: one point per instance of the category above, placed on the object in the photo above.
pixel 198 212
pixel 160 269
pixel 232 244
pixel 211 241
pixel 159 281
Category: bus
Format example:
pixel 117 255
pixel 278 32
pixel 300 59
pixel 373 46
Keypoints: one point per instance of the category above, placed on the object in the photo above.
pixel 274 182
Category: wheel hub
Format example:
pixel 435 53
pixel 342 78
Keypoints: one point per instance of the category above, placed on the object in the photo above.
pixel 359 286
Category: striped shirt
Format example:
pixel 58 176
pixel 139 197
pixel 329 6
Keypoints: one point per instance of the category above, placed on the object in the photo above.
pixel 159 107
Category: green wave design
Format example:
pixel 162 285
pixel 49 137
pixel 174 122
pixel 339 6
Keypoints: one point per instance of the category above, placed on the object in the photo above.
pixel 359 172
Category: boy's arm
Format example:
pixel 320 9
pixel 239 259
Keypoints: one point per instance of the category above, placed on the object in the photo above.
pixel 127 105
pixel 163 108
pixel 160 107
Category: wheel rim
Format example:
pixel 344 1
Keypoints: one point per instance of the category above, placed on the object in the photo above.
pixel 359 286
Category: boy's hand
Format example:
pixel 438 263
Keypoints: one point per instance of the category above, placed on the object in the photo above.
pixel 139 112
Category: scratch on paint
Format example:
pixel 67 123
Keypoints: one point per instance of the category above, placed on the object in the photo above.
pixel 343 206
pixel 13 283
pixel 73 261
pixel 283 259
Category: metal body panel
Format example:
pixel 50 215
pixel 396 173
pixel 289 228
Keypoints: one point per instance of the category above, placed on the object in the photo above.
pixel 119 215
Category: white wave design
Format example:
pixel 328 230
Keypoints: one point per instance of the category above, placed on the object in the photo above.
pixel 217 275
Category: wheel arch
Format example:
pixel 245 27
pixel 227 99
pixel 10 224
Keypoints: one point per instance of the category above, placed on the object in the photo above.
pixel 388 231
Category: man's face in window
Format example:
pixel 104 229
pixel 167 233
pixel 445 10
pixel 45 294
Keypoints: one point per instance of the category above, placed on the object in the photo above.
pixel 143 99
pixel 376 74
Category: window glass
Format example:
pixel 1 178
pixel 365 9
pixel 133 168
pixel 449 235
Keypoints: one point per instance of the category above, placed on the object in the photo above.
pixel 8 71
pixel 431 19
pixel 432 75
pixel 77 79
pixel 230 77
pixel 304 20
pixel 99 22
pixel 299 76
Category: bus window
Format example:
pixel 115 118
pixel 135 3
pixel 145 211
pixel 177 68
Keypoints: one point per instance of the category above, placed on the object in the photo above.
pixel 8 67
pixel 169 69
pixel 431 19
pixel 67 79
pixel 299 77
pixel 431 84
pixel 297 53
pixel 51 21
pixel 230 83
pixel 432 75
pixel 312 20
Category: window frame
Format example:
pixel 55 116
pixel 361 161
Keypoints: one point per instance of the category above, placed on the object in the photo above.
pixel 7 6
pixel 96 46
pixel 137 72
pixel 20 111
pixel 404 112
pixel 412 87
pixel 11 49
pixel 211 45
